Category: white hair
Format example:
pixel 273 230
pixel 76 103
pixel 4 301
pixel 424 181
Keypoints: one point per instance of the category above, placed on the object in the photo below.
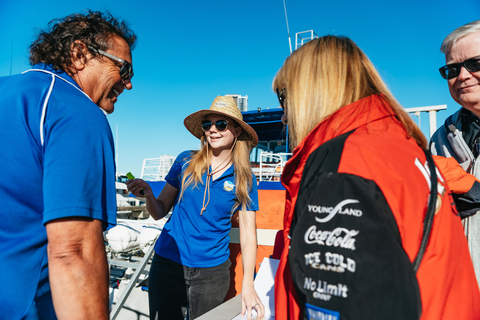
pixel 459 33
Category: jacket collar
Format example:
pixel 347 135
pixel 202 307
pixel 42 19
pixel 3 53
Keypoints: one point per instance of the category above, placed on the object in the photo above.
pixel 348 118
pixel 467 123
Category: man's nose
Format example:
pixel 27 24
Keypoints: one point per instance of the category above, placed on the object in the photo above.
pixel 464 73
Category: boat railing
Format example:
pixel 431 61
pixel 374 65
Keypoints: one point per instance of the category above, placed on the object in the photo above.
pixel 156 169
pixel 432 115
pixel 132 212
pixel 271 165
pixel 303 37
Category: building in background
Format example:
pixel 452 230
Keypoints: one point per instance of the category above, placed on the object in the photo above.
pixel 241 101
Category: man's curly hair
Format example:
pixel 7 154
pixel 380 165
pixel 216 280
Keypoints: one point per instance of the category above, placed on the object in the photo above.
pixel 93 28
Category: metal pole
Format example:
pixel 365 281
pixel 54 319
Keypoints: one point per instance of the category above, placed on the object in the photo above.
pixel 288 29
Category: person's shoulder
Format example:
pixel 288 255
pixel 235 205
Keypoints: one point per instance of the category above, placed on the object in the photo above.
pixel 455 119
pixel 440 135
pixel 28 83
pixel 54 85
pixel 254 177
pixel 185 156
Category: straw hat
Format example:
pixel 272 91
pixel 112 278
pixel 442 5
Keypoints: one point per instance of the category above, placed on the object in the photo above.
pixel 225 106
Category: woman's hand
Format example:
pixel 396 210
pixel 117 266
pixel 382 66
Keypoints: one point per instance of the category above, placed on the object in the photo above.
pixel 156 207
pixel 135 186
pixel 248 246
pixel 250 300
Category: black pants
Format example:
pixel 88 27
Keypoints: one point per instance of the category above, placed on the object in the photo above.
pixel 173 287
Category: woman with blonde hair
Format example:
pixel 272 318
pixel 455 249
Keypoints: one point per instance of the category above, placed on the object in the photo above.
pixel 190 271
pixel 362 240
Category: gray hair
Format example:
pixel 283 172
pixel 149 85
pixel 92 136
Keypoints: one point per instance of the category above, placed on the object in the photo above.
pixel 459 33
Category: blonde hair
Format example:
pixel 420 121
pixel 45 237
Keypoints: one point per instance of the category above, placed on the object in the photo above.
pixel 198 165
pixel 325 75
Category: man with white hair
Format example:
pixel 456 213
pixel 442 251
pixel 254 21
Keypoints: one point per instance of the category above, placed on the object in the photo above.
pixel 459 137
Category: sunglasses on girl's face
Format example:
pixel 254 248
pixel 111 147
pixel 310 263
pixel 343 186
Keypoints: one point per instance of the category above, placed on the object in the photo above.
pixel 221 125
pixel 126 70
pixel 452 70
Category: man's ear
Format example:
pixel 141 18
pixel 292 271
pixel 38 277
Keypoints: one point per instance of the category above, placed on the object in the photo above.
pixel 78 53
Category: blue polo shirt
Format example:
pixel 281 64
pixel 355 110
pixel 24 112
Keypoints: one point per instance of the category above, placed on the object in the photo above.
pixel 57 161
pixel 194 240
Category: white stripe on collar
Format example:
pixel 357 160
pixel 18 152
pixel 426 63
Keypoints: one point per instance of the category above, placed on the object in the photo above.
pixel 56 75
pixel 45 103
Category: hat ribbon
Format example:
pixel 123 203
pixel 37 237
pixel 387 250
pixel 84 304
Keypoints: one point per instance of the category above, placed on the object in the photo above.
pixel 209 176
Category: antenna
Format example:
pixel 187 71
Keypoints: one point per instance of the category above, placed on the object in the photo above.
pixel 288 30
pixel 11 55
pixel 116 152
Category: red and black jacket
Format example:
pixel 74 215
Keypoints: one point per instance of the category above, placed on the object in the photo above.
pixel 357 193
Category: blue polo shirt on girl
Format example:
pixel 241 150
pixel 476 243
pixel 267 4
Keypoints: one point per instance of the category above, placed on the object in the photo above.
pixel 194 240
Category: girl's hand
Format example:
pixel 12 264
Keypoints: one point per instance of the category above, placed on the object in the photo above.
pixel 139 187
pixel 250 300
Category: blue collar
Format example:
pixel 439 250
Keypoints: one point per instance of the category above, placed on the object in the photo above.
pixel 59 73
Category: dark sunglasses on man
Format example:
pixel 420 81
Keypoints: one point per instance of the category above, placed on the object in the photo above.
pixel 452 70
pixel 221 125
pixel 126 70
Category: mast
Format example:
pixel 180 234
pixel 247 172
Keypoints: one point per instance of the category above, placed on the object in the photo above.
pixel 11 55
pixel 288 29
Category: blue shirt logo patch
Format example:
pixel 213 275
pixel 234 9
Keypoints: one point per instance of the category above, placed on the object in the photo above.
pixel 317 313
pixel 228 186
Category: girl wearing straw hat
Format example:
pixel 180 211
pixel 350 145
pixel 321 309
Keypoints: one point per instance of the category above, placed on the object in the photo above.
pixel 191 267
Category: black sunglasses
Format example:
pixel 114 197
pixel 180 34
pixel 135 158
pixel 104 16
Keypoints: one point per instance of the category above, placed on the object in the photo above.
pixel 221 125
pixel 452 70
pixel 282 96
pixel 126 70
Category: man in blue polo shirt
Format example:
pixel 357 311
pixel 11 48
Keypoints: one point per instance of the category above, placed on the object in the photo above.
pixel 58 169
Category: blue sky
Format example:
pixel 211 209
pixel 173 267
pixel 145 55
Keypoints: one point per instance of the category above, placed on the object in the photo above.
pixel 189 52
